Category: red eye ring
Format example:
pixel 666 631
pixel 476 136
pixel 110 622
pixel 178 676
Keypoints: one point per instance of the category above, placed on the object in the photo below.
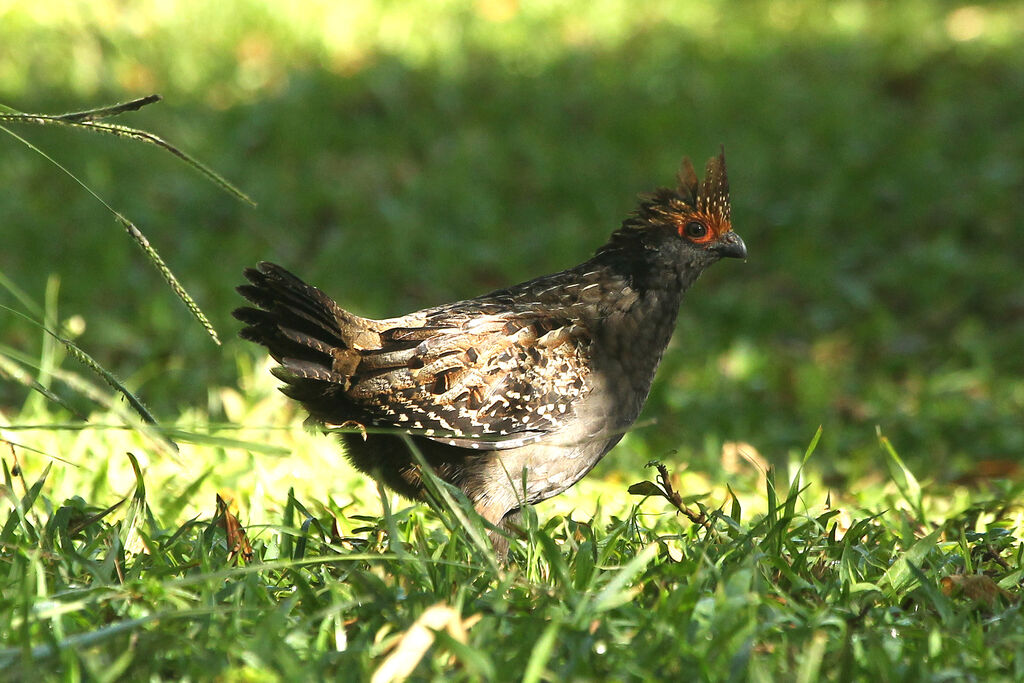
pixel 695 231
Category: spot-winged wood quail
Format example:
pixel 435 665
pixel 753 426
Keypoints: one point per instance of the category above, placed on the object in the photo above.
pixel 542 377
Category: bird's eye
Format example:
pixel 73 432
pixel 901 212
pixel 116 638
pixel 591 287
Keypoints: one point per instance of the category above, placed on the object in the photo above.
pixel 695 230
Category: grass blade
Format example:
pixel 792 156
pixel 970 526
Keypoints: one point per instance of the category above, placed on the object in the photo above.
pixel 899 577
pixel 616 592
pixel 541 653
pixel 139 238
pixel 89 120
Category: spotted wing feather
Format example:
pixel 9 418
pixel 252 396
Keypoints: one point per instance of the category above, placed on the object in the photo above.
pixel 480 377
pixel 497 381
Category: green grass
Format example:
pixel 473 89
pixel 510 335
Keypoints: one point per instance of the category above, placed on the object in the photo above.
pixel 405 156
pixel 894 582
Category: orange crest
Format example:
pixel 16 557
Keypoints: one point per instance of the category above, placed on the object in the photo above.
pixel 709 198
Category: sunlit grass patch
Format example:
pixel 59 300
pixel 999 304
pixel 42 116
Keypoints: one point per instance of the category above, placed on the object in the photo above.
pixel 129 563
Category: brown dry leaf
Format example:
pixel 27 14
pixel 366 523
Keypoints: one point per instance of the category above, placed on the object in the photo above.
pixel 977 587
pixel 238 542
pixel 335 529
pixel 415 642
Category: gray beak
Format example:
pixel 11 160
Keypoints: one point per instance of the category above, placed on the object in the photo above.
pixel 731 246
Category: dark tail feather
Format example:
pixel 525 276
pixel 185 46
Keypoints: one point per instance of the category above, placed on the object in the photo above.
pixel 295 321
pixel 306 332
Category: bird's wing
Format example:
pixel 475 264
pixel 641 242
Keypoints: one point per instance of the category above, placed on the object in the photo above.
pixel 493 381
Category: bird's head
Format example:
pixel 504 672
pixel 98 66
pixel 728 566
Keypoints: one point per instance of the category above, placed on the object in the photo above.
pixel 690 224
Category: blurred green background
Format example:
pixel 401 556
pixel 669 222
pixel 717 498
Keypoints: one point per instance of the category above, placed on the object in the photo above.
pixel 405 154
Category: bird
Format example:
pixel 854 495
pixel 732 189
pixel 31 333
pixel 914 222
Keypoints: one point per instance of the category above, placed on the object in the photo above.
pixel 512 396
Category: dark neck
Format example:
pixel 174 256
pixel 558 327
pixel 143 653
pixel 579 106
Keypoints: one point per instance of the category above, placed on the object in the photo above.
pixel 645 267
pixel 637 317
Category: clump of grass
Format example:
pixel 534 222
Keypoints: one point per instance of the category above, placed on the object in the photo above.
pixel 110 585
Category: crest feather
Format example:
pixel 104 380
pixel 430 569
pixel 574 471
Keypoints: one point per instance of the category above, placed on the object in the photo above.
pixel 711 195
pixel 706 200
pixel 688 181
